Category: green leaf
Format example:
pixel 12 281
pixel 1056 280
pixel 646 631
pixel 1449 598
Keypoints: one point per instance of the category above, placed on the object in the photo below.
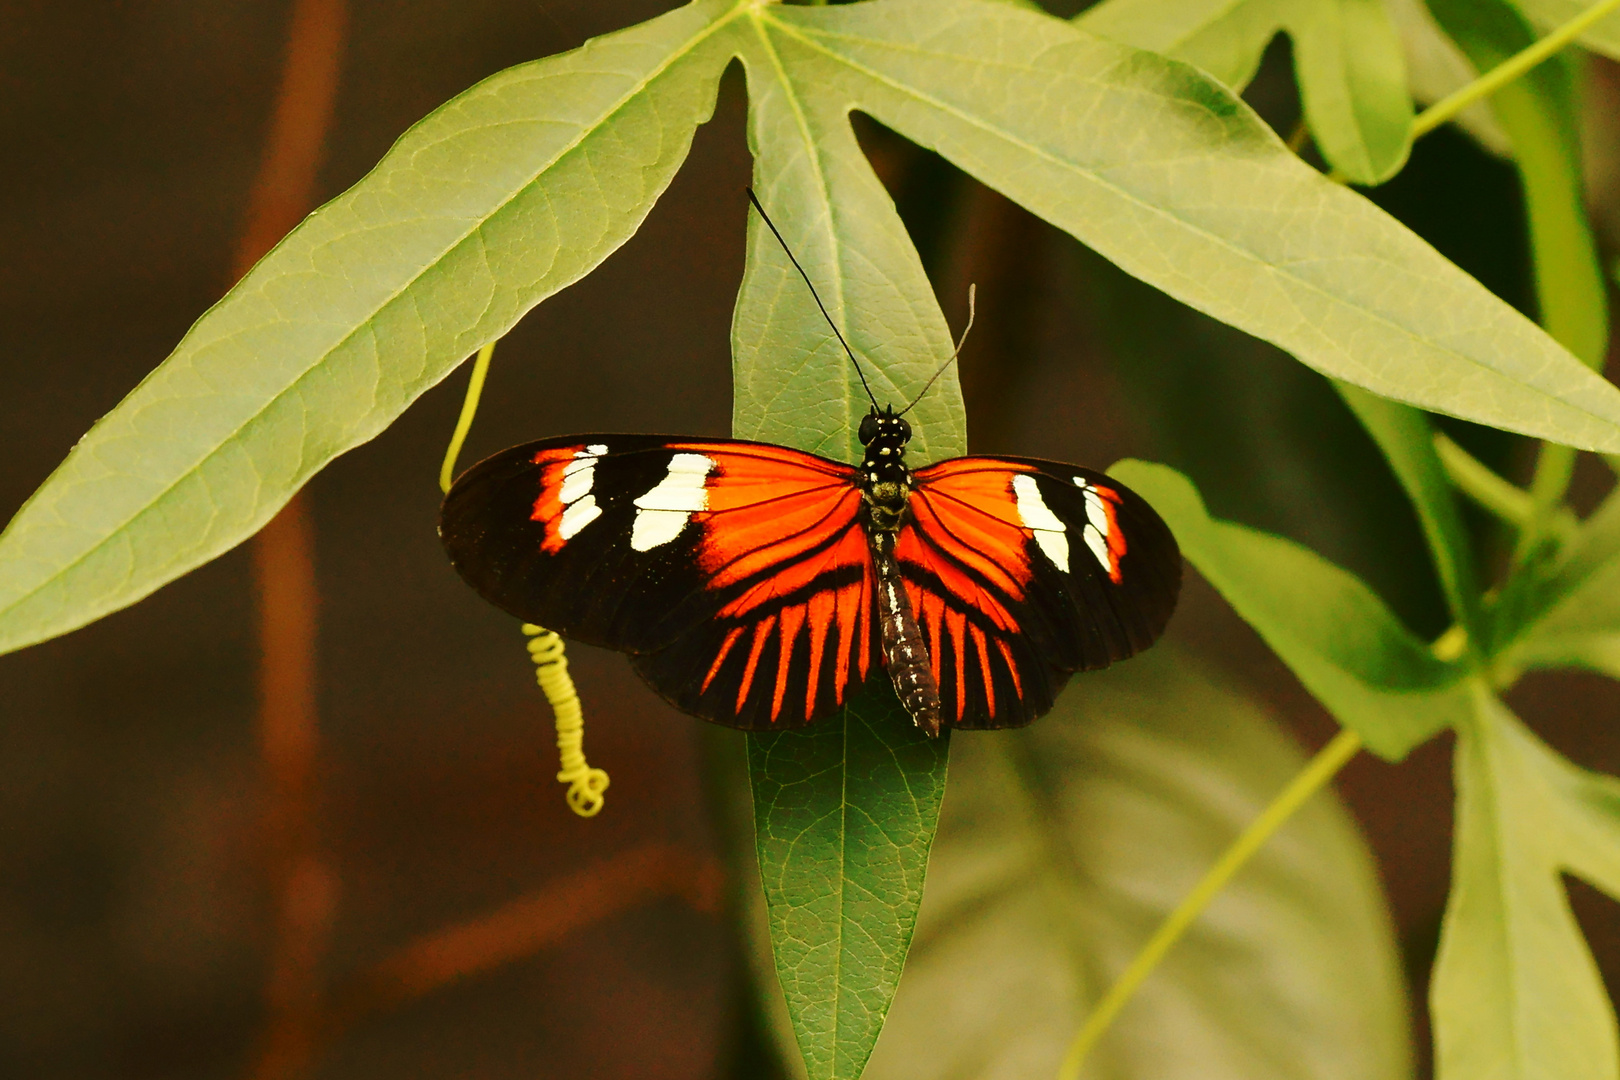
pixel 1064 845
pixel 1336 635
pixel 1579 623
pixel 846 810
pixel 1347 58
pixel 506 194
pixel 1551 14
pixel 1406 437
pixel 1539 113
pixel 794 383
pixel 1516 993
pixel 844 813
pixel 1173 178
pixel 1581 630
pixel 1435 68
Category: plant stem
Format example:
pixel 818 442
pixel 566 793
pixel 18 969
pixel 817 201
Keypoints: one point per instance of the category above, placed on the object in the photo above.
pixel 1480 483
pixel 303 885
pixel 469 409
pixel 1510 69
pixel 1309 780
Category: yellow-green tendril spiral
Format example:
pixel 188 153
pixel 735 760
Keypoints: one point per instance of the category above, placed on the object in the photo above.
pixel 585 784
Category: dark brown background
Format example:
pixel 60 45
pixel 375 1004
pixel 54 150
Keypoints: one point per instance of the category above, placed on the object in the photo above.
pixel 134 918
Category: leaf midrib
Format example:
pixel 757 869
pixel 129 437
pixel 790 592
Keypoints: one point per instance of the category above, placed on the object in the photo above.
pixel 366 325
pixel 806 38
pixel 813 154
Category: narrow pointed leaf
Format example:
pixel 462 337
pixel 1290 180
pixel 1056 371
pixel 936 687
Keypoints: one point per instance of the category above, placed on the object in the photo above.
pixel 1347 60
pixel 1406 437
pixel 1337 636
pixel 505 195
pixel 844 813
pixel 846 810
pixel 1062 847
pixel 1173 178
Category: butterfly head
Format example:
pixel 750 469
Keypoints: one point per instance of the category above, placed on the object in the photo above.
pixel 885 427
pixel 885 435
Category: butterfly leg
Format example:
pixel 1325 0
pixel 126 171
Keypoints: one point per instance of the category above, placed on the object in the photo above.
pixel 905 653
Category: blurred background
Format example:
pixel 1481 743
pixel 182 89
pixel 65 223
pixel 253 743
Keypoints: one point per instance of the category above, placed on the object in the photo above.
pixel 456 918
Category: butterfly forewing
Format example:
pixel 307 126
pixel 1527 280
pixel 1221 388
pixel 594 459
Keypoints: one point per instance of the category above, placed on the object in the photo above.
pixel 1023 571
pixel 740 579
pixel 735 573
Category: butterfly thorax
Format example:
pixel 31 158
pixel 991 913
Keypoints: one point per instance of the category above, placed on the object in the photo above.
pixel 885 480
pixel 886 488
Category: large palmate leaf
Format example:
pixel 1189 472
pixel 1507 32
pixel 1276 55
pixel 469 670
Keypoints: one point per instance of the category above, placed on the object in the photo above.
pixel 510 192
pixel 1329 628
pixel 1063 846
pixel 1516 993
pixel 1347 56
pixel 1173 178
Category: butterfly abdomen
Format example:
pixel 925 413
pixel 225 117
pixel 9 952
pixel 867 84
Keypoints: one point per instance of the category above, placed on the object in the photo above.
pixel 904 652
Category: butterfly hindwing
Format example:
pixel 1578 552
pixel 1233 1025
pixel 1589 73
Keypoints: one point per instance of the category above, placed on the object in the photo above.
pixel 1022 571
pixel 736 574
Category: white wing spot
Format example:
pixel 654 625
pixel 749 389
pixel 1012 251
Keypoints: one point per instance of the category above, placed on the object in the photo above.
pixel 579 505
pixel 577 516
pixel 663 512
pixel 1098 545
pixel 1095 512
pixel 1037 516
pixel 1096 532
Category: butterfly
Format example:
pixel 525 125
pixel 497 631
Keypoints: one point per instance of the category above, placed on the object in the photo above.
pixel 760 586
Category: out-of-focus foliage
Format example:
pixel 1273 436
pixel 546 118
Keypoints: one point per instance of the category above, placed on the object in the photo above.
pixel 1061 848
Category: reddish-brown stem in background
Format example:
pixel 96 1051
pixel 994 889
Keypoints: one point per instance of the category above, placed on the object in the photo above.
pixel 528 924
pixel 301 1015
pixel 303 887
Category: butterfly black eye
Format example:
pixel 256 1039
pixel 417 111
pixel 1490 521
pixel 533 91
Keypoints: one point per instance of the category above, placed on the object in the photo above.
pixel 905 430
pixel 869 428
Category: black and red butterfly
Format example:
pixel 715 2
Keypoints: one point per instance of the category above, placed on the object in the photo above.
pixel 759 586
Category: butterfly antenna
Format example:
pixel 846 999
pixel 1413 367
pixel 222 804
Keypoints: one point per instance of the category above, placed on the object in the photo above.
pixel 959 343
pixel 778 234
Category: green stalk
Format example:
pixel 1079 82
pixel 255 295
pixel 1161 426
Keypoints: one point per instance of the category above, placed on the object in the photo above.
pixel 1484 86
pixel 1480 483
pixel 469 409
